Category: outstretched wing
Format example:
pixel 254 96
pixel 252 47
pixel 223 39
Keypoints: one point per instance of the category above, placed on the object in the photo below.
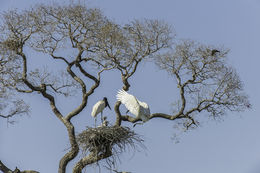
pixel 130 102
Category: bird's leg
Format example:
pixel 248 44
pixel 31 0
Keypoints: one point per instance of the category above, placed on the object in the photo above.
pixel 102 117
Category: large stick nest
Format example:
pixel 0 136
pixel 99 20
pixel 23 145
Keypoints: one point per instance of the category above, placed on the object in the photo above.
pixel 113 138
pixel 11 44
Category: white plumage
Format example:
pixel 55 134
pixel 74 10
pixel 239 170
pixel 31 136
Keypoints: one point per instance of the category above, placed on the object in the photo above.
pixel 98 108
pixel 139 109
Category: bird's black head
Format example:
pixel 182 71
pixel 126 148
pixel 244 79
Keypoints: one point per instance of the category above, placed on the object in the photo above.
pixel 106 102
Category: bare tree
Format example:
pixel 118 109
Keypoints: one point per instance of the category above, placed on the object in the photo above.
pixel 86 44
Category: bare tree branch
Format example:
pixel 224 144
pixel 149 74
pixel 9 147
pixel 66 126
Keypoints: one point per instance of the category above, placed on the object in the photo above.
pixel 89 159
pixel 5 169
pixel 205 82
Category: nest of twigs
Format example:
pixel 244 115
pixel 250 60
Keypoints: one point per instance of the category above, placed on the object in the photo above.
pixel 113 138
pixel 11 44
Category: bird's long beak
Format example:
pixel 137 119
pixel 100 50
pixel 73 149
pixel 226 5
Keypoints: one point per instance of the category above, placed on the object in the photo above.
pixel 108 105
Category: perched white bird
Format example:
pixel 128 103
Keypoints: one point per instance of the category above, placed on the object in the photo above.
pixel 99 107
pixel 139 109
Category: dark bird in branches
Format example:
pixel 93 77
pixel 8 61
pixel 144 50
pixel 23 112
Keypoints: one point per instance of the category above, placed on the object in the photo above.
pixel 214 51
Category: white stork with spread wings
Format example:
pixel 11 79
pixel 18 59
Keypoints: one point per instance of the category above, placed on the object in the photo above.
pixel 139 109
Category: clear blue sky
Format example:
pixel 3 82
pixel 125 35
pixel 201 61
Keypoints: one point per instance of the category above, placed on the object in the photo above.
pixel 230 146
